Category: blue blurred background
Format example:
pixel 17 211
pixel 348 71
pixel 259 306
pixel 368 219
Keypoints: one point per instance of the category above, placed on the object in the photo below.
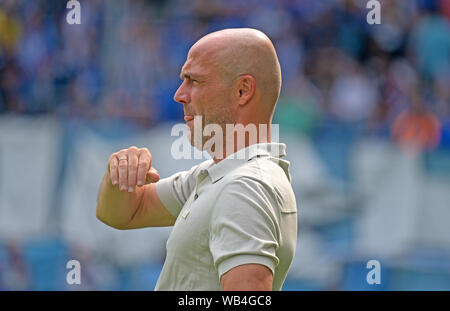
pixel 364 111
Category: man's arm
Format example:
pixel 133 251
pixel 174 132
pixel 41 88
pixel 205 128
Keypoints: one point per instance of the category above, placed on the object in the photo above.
pixel 127 197
pixel 248 277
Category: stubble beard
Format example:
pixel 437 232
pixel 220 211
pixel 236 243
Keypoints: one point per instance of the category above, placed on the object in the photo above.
pixel 221 118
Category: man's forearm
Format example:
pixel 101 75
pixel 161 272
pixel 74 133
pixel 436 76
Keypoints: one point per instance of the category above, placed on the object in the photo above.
pixel 114 207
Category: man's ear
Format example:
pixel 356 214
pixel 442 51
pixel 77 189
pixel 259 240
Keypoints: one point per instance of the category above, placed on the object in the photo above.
pixel 246 89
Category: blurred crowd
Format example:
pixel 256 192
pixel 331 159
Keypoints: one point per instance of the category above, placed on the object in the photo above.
pixel 122 62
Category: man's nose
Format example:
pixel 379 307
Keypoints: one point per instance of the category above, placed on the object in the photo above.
pixel 181 96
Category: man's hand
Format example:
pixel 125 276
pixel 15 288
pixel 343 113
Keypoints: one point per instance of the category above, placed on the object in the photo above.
pixel 131 207
pixel 132 167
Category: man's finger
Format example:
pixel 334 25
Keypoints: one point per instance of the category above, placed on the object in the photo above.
pixel 123 171
pixel 113 166
pixel 146 152
pixel 143 167
pixel 132 168
pixel 152 176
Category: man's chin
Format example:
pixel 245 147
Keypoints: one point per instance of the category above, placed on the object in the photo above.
pixel 199 145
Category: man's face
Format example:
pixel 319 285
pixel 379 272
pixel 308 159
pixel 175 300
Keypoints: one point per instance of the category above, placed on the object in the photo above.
pixel 204 92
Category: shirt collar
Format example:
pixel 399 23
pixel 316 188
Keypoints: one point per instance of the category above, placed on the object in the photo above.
pixel 219 170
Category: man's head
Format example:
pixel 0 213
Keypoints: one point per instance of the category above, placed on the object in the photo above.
pixel 230 76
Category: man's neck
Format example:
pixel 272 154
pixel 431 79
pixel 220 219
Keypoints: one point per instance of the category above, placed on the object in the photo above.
pixel 235 147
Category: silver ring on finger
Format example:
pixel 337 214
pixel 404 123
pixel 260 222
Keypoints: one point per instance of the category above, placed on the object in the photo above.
pixel 124 158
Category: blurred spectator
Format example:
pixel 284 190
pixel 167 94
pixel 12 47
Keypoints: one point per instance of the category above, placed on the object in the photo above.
pixel 10 29
pixel 352 96
pixel 416 129
pixel 298 107
pixel 13 271
pixel 430 43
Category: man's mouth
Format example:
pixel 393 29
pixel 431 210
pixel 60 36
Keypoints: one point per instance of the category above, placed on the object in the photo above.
pixel 188 118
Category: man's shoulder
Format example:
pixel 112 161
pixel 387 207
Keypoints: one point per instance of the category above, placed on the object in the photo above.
pixel 265 170
pixel 262 174
pixel 261 183
pixel 184 179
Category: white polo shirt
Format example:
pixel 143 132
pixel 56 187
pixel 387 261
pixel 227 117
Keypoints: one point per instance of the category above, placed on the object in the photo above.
pixel 241 210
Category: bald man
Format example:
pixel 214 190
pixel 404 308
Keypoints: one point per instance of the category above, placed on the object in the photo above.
pixel 234 217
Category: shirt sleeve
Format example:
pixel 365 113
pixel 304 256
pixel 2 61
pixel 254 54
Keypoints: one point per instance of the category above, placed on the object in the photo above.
pixel 174 191
pixel 244 227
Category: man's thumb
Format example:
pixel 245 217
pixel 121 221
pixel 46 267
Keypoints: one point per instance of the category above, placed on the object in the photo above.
pixel 152 176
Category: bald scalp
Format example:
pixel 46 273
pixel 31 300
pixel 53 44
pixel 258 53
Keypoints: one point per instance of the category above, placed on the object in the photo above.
pixel 240 51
